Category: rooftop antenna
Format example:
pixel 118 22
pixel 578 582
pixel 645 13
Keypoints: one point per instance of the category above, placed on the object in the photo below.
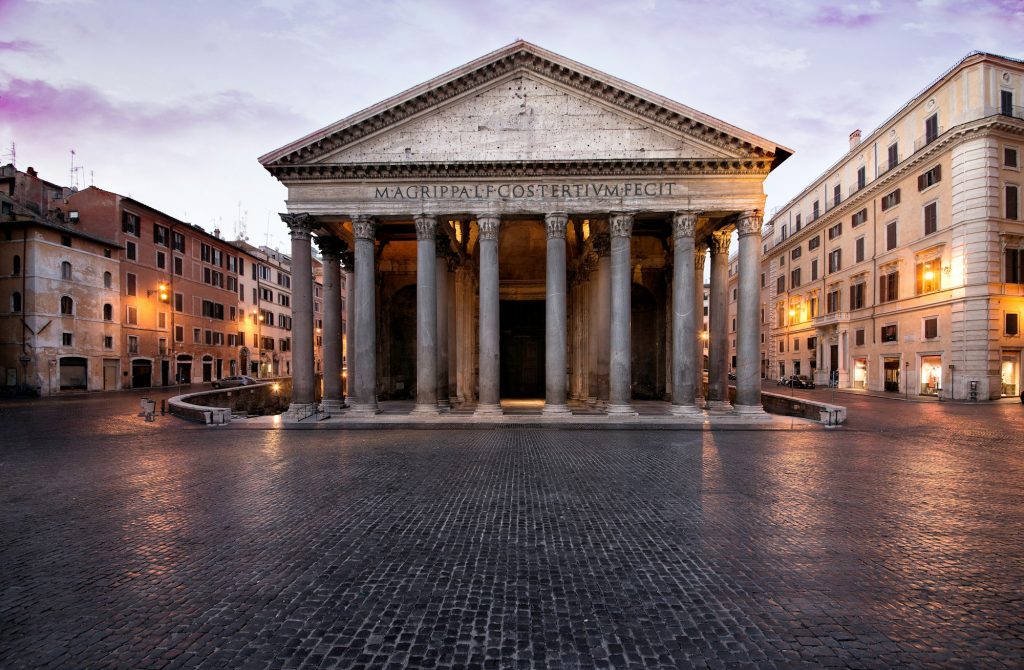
pixel 13 156
pixel 75 172
pixel 268 231
pixel 92 178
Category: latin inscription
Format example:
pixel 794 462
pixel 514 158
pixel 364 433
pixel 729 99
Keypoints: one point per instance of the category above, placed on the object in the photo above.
pixel 522 191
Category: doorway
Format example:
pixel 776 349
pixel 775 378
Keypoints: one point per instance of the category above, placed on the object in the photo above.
pixel 74 374
pixel 110 368
pixel 142 373
pixel 522 348
pixel 891 367
pixel 165 372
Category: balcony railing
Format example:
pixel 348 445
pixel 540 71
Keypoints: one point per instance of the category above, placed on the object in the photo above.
pixel 834 317
pixel 926 139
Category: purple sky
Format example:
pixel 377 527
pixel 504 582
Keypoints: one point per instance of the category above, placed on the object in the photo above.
pixel 172 102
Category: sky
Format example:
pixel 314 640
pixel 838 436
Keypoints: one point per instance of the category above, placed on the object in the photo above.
pixel 173 102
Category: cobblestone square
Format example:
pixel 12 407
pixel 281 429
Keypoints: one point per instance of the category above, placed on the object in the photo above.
pixel 895 541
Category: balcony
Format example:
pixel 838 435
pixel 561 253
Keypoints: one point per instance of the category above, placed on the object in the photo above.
pixel 831 319
pixel 925 140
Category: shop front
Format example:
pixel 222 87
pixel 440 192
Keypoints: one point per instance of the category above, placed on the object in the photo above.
pixel 931 375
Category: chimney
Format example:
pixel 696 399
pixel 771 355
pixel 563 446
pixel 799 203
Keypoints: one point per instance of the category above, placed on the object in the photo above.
pixel 216 233
pixel 854 139
pixel 31 172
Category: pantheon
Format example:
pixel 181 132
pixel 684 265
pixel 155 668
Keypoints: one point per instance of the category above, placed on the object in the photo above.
pixel 524 226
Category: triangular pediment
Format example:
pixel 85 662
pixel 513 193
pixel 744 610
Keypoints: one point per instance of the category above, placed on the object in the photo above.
pixel 523 103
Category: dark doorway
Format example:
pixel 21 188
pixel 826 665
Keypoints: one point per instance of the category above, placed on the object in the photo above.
pixel 522 349
pixel 892 374
pixel 74 374
pixel 401 362
pixel 142 373
pixel 165 372
pixel 646 337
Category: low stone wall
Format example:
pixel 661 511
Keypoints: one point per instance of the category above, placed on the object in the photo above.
pixel 823 412
pixel 216 406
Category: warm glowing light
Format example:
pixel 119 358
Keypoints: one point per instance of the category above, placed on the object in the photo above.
pixel 586 229
pixel 704 335
pixel 792 313
pixel 929 275
pixel 275 387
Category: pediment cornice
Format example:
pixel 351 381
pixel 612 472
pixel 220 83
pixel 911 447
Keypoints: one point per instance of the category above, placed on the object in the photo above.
pixel 524 57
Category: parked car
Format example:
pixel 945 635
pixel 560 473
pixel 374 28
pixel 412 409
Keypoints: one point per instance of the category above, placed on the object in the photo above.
pixel 783 381
pixel 231 382
pixel 802 382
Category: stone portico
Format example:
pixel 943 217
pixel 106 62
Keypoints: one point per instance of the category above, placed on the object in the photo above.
pixel 527 227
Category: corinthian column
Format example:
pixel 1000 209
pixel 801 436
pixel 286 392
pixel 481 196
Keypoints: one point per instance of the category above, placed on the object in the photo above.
pixel 684 313
pixel 330 249
pixel 426 315
pixel 748 319
pixel 621 372
pixel 700 255
pixel 443 303
pixel 490 370
pixel 301 227
pixel 348 267
pixel 364 230
pixel 555 323
pixel 600 318
pixel 718 363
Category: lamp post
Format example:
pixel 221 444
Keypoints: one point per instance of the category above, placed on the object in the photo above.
pixel 257 317
pixel 906 381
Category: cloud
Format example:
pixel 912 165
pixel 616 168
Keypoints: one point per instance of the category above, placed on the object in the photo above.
pixel 36 104
pixel 21 46
pixel 848 15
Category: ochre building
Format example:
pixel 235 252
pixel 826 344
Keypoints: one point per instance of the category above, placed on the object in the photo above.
pixel 527 227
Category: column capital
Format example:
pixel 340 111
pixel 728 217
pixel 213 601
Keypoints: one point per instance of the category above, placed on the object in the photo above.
pixel 621 224
pixel 364 227
pixel 750 223
pixel 555 222
pixel 719 241
pixel 301 224
pixel 488 226
pixel 684 224
pixel 426 227
pixel 700 254
pixel 331 248
pixel 348 260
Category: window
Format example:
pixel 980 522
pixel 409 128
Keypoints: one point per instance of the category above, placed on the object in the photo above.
pixel 862 177
pixel 204 251
pixel 796 344
pixel 1014 266
pixel 794 278
pixel 795 254
pixel 890 200
pixel 161 320
pixel 1009 157
pixel 832 300
pixel 1012 202
pixel 108 312
pixel 108 341
pixel 835 260
pixel 161 346
pixel 931 218
pixel 213 310
pixel 1011 324
pixel 161 235
pixel 133 344
pixel 796 224
pixel 813 243
pixel 178 242
pixel 179 302
pixel 890 236
pixel 931 128
pixel 889 333
pixel 837 195
pixel 929 178
pixel 15 302
pixel 815 211
pixel 16 265
pixel 108 280
pixel 130 251
pixel 178 269
pixel 65 270
pixel 65 240
pixel 812 305
pixel 197 336
pixel 762 286
pixel 857 296
pixel 835 231
pixel 889 286
pixel 67 305
pixel 782 260
pixel 179 333
pixel 129 284
pixel 161 260
pixel 931 328
pixel 131 224
pixel 67 339
pixel 858 337
pixel 131 315
pixel 927 277
pixel 894 155
pixel 780 284
pixel 859 218
pixel 285 300
pixel 1006 103
pixel 859 254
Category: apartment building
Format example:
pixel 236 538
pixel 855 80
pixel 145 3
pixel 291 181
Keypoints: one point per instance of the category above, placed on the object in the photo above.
pixel 901 268
pixel 59 295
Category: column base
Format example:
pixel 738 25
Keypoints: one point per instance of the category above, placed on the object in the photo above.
pixel 444 406
pixel 621 410
pixel 686 410
pixel 488 410
pixel 333 406
pixel 752 412
pixel 555 410
pixel 700 402
pixel 425 409
pixel 363 409
pixel 298 411
pixel 720 407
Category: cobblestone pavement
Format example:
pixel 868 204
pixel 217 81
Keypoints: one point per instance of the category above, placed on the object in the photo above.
pixel 894 542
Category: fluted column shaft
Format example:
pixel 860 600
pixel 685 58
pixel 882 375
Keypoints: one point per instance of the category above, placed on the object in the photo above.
pixel 700 255
pixel 365 230
pixel 426 315
pixel 301 226
pixel 443 300
pixel 684 315
pixel 601 316
pixel 490 368
pixel 718 370
pixel 348 268
pixel 748 318
pixel 330 249
pixel 555 395
pixel 620 380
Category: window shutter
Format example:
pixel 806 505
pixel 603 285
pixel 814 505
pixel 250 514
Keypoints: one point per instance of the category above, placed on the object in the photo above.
pixel 921 183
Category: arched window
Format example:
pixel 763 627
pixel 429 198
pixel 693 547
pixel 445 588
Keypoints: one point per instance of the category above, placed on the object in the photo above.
pixel 108 312
pixel 17 265
pixel 67 305
pixel 65 270
pixel 108 280
pixel 15 301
